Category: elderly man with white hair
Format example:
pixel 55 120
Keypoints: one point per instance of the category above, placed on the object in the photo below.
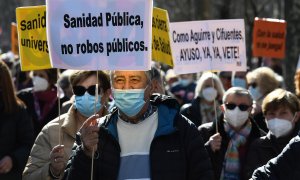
pixel 228 140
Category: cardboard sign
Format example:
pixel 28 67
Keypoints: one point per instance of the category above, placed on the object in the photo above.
pixel 269 38
pixel 161 46
pixel 14 39
pixel 32 38
pixel 208 45
pixel 99 35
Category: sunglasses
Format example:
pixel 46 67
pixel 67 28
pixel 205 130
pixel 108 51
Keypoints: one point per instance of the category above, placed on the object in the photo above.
pixel 80 90
pixel 242 107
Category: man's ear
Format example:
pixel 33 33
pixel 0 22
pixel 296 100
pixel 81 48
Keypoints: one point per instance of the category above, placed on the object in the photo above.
pixel 152 86
pixel 222 107
pixel 250 110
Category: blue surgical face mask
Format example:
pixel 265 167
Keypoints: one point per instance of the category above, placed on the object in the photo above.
pixel 129 101
pixel 239 82
pixel 256 94
pixel 185 82
pixel 86 104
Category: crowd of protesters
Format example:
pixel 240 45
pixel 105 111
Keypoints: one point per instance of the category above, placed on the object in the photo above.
pixel 147 125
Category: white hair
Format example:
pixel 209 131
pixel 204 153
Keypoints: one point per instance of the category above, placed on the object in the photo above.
pixel 217 84
pixel 239 91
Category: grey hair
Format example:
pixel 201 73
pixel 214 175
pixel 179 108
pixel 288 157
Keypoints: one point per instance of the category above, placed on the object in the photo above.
pixel 239 91
pixel 217 83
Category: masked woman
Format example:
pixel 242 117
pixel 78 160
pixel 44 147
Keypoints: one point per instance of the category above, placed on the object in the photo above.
pixel 48 158
pixel 16 131
pixel 201 110
pixel 261 81
pixel 41 100
pixel 280 108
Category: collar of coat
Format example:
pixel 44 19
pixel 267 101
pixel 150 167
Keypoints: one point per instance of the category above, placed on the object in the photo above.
pixel 168 110
pixel 69 124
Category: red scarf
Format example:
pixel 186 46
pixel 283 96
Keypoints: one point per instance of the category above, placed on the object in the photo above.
pixel 44 102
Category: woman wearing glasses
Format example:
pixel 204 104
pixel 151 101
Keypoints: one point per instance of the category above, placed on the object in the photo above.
pixel 280 108
pixel 48 158
pixel 228 140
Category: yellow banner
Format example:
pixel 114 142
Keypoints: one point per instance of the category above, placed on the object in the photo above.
pixel 14 39
pixel 161 47
pixel 33 38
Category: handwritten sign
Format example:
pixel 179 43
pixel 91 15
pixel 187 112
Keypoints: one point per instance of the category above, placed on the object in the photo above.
pixel 269 38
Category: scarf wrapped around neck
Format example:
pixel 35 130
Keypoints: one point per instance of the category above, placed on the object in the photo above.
pixel 44 102
pixel 231 164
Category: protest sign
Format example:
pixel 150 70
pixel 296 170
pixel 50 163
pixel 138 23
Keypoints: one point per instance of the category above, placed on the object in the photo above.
pixel 208 45
pixel 161 46
pixel 32 38
pixel 14 39
pixel 99 35
pixel 269 38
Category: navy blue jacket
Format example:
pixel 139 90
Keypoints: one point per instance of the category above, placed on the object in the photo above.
pixel 285 166
pixel 177 151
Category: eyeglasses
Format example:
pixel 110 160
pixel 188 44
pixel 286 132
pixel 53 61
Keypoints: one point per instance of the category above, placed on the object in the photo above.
pixel 80 90
pixel 253 84
pixel 242 107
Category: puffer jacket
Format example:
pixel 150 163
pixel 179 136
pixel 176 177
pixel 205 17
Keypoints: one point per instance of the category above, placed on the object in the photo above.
pixel 16 139
pixel 177 151
pixel 285 166
pixel 37 167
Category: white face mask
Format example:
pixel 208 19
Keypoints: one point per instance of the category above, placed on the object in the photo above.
pixel 279 127
pixel 256 94
pixel 209 94
pixel 236 118
pixel 39 84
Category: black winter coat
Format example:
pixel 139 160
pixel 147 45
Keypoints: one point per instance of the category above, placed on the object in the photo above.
pixel 26 95
pixel 192 111
pixel 266 148
pixel 217 158
pixel 16 139
pixel 177 151
pixel 285 166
